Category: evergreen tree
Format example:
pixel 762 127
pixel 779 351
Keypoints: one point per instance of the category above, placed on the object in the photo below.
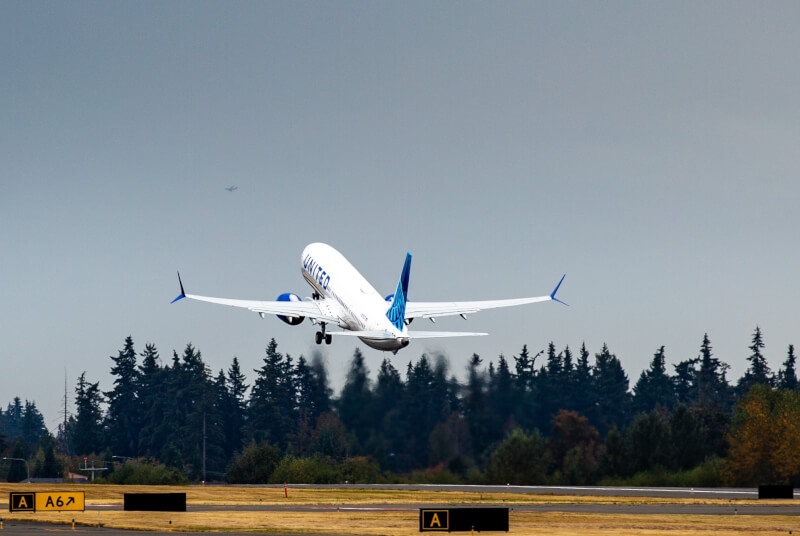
pixel 584 396
pixel 217 414
pixel 389 392
pixel 236 413
pixel 758 372
pixel 33 426
pixel 46 464
pixel 647 441
pixel 713 425
pixel 355 403
pixel 124 418
pixel 13 418
pixel 476 413
pixel 613 456
pixel 554 365
pixel 568 398
pixel 272 401
pixel 196 398
pixel 152 393
pixel 321 392
pixel 425 404
pixel 567 365
pixel 443 393
pixel 685 381
pixel 549 387
pixel 503 399
pixel 313 393
pixel 525 380
pixel 654 387
pixel 787 376
pixel 170 407
pixel 17 471
pixel 524 365
pixel 388 388
pixel 611 385
pixel 87 433
pixel 711 387
pixel 686 439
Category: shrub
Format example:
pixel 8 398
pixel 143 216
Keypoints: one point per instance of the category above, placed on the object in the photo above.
pixel 254 465
pixel 312 470
pixel 133 473
pixel 360 469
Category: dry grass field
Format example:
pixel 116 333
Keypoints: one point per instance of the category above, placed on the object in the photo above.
pixel 390 522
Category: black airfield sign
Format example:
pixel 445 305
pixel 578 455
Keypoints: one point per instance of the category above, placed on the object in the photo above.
pixel 430 520
pixel 154 502
pixel 21 502
pixel 775 492
pixel 463 519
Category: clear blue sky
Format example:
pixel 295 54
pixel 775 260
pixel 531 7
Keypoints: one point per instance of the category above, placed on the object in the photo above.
pixel 648 150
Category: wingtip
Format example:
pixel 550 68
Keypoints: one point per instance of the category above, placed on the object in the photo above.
pixel 182 294
pixel 553 294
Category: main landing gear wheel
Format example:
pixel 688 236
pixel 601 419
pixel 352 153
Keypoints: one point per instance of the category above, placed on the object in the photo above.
pixel 321 335
pixel 327 337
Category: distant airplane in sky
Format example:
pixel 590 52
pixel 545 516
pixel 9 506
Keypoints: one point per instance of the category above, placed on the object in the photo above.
pixel 232 188
pixel 343 297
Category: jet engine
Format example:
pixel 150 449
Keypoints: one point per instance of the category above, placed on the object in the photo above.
pixel 291 320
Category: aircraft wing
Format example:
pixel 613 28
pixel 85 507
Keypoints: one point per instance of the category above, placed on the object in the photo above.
pixel 435 309
pixel 319 310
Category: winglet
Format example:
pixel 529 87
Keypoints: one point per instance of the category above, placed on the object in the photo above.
pixel 553 294
pixel 183 294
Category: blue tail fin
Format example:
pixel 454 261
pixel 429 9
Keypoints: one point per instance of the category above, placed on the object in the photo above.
pixel 397 311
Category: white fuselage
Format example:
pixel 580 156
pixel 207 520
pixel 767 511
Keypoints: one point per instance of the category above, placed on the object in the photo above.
pixel 353 300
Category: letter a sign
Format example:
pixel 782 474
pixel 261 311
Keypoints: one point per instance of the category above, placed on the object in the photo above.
pixel 22 502
pixel 434 520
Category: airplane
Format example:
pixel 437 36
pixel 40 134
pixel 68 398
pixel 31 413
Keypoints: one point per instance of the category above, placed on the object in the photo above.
pixel 232 188
pixel 344 298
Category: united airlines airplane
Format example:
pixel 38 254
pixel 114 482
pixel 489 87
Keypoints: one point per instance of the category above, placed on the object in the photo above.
pixel 343 297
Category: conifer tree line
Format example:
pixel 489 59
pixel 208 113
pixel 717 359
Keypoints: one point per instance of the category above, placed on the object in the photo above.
pixel 555 416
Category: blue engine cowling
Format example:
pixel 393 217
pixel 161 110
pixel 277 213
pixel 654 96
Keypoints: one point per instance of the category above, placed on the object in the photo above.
pixel 291 320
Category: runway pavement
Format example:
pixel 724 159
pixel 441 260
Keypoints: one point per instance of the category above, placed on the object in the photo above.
pixel 609 491
pixel 27 528
pixel 593 508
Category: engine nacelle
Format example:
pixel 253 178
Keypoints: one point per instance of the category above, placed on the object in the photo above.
pixel 291 320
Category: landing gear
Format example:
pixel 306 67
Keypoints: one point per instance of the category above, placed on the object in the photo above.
pixel 322 335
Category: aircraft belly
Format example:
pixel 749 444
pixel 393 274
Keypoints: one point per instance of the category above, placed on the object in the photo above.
pixel 387 345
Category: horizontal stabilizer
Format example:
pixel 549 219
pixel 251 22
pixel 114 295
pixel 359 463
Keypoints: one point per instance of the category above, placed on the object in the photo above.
pixel 407 335
pixel 367 334
pixel 438 334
